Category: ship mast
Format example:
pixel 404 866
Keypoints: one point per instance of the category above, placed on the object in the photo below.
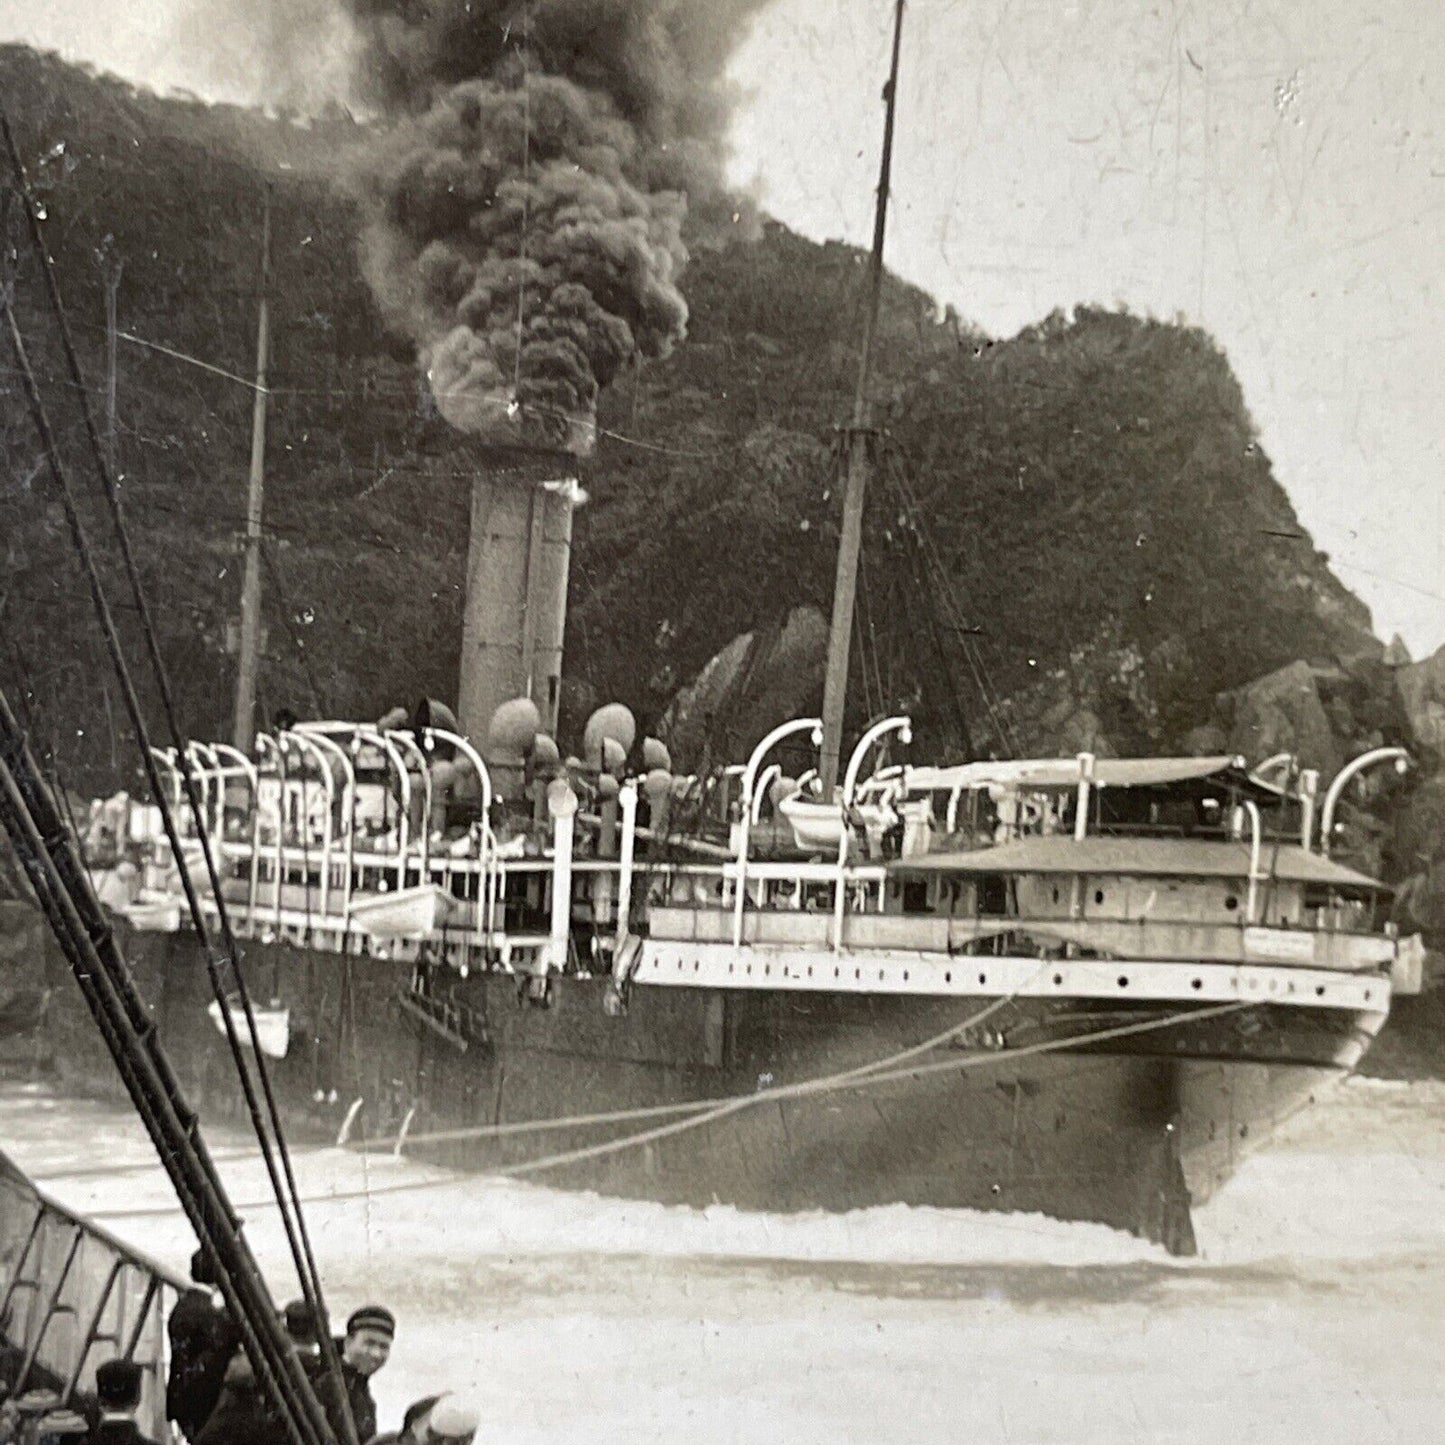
pixel 250 633
pixel 859 462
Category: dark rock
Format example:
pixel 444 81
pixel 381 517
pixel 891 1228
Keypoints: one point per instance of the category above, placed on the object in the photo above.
pixel 1422 691
pixel 1282 713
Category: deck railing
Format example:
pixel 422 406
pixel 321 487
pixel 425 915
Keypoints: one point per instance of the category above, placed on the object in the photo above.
pixel 73 1295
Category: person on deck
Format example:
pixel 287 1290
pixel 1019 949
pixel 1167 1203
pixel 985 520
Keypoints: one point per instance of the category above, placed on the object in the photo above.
pixel 244 1413
pixel 117 1396
pixel 437 1420
pixel 364 1349
pixel 203 1339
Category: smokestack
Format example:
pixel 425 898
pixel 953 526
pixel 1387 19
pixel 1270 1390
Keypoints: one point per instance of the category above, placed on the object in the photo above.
pixel 515 613
pixel 522 225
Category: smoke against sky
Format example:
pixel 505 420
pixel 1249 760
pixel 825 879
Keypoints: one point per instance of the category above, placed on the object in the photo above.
pixel 505 237
pixel 523 218
pixel 1273 172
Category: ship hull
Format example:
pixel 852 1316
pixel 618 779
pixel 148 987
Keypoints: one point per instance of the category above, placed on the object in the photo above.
pixel 1123 1132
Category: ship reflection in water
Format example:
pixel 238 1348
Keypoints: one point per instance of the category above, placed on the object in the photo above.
pixel 1312 1313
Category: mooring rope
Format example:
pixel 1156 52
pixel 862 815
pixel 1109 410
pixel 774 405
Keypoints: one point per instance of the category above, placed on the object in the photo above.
pixel 711 1110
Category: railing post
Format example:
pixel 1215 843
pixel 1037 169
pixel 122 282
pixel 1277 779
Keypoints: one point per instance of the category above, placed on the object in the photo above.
pixel 1255 841
pixel 627 802
pixel 33 1351
pixel 562 804
pixel 262 742
pixel 92 1334
pixel 17 1277
pixel 1081 799
pixel 1309 788
pixel 840 893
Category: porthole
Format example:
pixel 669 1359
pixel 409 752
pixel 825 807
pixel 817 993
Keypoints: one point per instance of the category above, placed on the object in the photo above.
pixel 1058 980
pixel 1098 895
pixel 1196 984
pixel 1123 980
pixel 1230 902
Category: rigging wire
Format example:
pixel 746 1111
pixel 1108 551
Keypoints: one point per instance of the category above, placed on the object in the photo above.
pixel 526 197
pixel 931 560
pixel 289 1204
pixel 19 821
pixel 63 889
pixel 405 403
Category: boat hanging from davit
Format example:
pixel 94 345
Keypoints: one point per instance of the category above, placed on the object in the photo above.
pixel 1079 986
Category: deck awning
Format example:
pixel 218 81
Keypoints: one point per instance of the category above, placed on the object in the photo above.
pixel 1030 774
pixel 1144 857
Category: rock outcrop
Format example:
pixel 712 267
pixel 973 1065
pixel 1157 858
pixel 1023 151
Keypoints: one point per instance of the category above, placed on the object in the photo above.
pixel 1422 693
pixel 1281 712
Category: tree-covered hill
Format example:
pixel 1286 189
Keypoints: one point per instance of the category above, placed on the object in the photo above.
pixel 1074 538
pixel 1074 523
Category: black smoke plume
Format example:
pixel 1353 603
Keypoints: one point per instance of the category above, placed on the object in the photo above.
pixel 523 219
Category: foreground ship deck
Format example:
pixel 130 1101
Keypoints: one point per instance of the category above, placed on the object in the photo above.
pixel 74 1295
pixel 1077 987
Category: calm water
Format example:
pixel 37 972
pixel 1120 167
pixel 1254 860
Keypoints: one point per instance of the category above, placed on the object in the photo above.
pixel 1317 1312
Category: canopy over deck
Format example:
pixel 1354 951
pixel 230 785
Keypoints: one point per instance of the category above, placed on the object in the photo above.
pixel 1041 774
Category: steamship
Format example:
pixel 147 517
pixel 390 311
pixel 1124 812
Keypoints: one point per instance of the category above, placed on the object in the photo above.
pixel 1077 986
pixel 1083 986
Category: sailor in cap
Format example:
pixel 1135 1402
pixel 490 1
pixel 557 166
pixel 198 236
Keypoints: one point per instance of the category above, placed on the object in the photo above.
pixel 364 1349
pixel 117 1394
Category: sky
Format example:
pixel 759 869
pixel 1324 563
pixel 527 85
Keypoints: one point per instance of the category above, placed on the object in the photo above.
pixel 1273 170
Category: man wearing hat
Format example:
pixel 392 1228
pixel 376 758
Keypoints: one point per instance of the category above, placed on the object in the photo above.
pixel 364 1350
pixel 117 1396
pixel 436 1420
